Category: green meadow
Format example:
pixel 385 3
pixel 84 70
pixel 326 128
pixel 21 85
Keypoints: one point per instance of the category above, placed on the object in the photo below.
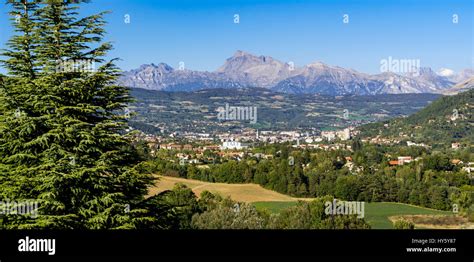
pixel 376 214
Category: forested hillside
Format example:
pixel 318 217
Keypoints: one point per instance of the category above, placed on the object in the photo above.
pixel 447 120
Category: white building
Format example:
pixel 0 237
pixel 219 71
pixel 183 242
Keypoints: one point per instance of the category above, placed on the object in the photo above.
pixel 410 143
pixel 328 135
pixel 404 159
pixel 344 134
pixel 469 168
pixel 290 133
pixel 233 145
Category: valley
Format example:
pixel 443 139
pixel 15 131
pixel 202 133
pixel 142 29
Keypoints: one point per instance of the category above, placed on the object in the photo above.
pixel 161 112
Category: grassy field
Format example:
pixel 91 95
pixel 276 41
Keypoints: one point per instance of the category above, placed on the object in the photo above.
pixel 238 192
pixel 377 214
pixel 273 207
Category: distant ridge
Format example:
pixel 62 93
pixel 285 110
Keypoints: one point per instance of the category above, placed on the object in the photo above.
pixel 460 87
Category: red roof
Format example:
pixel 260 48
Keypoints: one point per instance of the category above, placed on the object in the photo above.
pixel 393 162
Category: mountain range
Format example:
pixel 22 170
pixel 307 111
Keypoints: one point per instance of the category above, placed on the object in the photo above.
pixel 244 70
pixel 460 87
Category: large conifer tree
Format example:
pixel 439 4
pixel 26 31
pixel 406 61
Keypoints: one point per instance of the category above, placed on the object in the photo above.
pixel 61 134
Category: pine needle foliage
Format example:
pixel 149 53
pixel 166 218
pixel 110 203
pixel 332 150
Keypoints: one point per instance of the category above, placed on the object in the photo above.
pixel 62 125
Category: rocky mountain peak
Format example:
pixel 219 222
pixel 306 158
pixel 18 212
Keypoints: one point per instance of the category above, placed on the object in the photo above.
pixel 244 69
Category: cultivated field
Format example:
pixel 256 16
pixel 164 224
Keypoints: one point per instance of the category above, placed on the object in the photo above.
pixel 238 192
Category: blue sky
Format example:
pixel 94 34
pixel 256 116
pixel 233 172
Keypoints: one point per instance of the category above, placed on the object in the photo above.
pixel 203 33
